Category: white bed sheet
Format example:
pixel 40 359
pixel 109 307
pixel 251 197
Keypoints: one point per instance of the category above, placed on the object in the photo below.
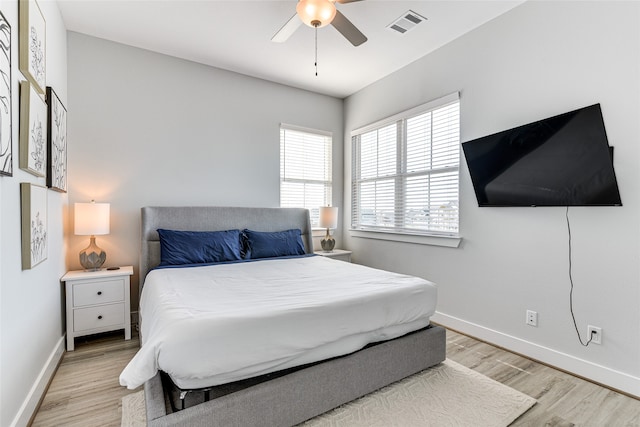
pixel 212 325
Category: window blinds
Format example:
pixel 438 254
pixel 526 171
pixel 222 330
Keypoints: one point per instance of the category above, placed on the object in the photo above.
pixel 305 169
pixel 405 171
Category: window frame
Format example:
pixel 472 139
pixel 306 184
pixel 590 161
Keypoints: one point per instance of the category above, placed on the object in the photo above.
pixel 402 232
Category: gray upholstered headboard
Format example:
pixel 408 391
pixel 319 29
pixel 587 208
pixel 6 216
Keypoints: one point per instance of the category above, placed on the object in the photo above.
pixel 215 218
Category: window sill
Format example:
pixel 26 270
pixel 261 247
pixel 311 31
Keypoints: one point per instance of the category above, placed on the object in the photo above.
pixel 432 240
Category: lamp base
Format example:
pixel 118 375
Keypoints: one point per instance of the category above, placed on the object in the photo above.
pixel 328 243
pixel 92 257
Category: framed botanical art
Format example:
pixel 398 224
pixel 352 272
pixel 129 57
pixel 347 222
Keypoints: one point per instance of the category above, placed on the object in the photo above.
pixel 6 141
pixel 32 31
pixel 33 128
pixel 34 224
pixel 56 142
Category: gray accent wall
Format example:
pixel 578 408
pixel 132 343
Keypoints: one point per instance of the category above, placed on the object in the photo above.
pixel 147 129
pixel 535 61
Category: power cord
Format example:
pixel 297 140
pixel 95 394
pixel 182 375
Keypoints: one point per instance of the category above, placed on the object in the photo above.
pixel 575 325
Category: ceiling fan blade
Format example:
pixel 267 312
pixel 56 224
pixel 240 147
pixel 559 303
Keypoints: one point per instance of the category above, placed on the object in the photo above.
pixel 348 30
pixel 287 29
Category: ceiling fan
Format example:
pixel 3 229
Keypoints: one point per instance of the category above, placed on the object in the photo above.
pixel 317 14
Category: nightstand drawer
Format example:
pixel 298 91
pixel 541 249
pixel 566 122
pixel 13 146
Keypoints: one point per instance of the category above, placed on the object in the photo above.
pixel 97 301
pixel 98 317
pixel 102 292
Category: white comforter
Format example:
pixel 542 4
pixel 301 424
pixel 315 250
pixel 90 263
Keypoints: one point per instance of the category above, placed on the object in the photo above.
pixel 216 324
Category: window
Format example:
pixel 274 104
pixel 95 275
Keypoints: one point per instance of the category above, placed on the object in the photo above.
pixel 405 171
pixel 305 169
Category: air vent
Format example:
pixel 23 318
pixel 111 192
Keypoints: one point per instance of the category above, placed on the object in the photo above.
pixel 406 22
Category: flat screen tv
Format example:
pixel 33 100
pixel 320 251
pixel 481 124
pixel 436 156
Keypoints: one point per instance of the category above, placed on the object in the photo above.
pixel 564 160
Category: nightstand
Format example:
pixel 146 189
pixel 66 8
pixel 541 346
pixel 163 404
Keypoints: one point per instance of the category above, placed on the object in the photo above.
pixel 97 301
pixel 340 254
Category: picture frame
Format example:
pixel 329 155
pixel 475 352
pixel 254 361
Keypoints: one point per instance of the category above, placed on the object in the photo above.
pixel 33 128
pixel 56 142
pixel 6 104
pixel 34 224
pixel 32 43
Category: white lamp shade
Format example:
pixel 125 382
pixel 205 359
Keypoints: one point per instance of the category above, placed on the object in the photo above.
pixel 316 13
pixel 328 217
pixel 91 219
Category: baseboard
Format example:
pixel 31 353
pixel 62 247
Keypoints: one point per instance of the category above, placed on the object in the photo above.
pixel 607 377
pixel 31 403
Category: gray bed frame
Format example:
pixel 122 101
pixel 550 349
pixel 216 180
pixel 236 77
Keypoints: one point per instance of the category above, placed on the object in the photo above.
pixel 298 395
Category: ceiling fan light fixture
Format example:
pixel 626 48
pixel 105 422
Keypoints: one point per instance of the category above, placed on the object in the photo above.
pixel 316 13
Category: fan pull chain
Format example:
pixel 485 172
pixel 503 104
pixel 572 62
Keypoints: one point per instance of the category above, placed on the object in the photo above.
pixel 316 63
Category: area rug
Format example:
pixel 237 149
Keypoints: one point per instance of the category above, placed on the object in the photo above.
pixel 448 394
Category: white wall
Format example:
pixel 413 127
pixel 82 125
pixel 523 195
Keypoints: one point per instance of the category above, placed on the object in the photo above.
pixel 536 61
pixel 31 323
pixel 147 129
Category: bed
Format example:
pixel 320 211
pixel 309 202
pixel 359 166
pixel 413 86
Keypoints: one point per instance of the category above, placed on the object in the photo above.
pixel 354 352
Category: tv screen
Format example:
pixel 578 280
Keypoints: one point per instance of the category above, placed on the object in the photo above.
pixel 564 160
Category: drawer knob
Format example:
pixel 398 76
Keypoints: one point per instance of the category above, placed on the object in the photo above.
pixel 99 317
pixel 99 292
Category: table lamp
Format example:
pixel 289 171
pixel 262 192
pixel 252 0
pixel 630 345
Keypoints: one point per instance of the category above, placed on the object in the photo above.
pixel 328 219
pixel 91 219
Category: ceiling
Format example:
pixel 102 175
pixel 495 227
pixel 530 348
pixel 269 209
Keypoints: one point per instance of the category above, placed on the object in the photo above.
pixel 236 35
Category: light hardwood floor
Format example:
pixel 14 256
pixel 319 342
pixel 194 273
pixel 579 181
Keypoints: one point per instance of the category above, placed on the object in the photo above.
pixel 85 390
pixel 563 400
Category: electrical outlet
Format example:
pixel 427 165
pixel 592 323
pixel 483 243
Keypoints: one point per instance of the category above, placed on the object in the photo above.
pixel 594 334
pixel 532 318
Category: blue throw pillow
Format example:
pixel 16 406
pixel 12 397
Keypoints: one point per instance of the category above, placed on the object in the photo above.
pixel 264 244
pixel 198 247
